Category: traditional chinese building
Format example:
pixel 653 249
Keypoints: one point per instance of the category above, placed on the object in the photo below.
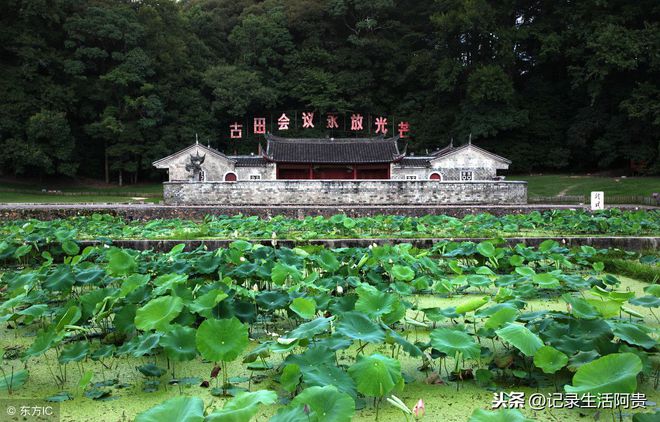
pixel 332 159
pixel 338 171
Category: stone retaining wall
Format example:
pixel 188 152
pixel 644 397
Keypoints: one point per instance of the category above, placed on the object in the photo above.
pixel 344 192
pixel 621 242
pixel 146 212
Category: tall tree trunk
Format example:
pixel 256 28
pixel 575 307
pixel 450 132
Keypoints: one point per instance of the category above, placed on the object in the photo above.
pixel 107 169
pixel 121 174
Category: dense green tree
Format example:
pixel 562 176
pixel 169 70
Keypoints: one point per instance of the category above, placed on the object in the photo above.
pixel 102 88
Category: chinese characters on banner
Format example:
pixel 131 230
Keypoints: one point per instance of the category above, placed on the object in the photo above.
pixel 348 122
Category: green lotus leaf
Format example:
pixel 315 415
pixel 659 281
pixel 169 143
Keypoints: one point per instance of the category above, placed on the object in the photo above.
pixel 349 223
pixel 310 329
pixel 120 262
pixel 60 279
pixel 546 280
pixel 13 380
pixel 402 273
pixel 290 378
pixel 34 311
pixel 452 342
pixel 486 249
pixel 472 305
pixel 614 373
pixel 501 317
pixel 204 304
pixel 632 333
pixel 179 343
pixel 243 407
pixel 606 308
pixel 394 337
pixel 90 276
pixel 180 409
pixel 124 320
pixel 502 415
pixel 582 358
pixel 521 338
pixel 653 289
pixel 207 263
pixel 221 339
pixel 291 414
pixel 144 344
pixel 71 316
pixel 327 260
pixel 646 417
pixel 151 371
pixel 357 326
pixel 303 307
pixel 326 404
pixel 376 375
pixel 272 300
pixel 646 301
pixel 525 271
pixel 398 311
pixel 549 359
pixel 132 282
pixel 157 313
pixel 70 247
pixel 328 374
pixel 281 272
pixel 480 281
pixel 74 352
pixel 580 307
pixel 484 271
pixel 372 301
pixel 167 282
pixel 516 260
pixel 43 341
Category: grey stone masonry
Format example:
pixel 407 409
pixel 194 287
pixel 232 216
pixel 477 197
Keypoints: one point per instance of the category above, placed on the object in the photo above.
pixel 344 192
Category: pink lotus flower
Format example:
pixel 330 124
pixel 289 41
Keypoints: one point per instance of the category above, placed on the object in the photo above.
pixel 419 409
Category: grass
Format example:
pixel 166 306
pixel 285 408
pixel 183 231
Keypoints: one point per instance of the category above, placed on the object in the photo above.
pixel 44 198
pixel 553 185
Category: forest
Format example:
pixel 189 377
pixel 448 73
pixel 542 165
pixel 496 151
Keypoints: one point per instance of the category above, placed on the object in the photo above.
pixel 102 88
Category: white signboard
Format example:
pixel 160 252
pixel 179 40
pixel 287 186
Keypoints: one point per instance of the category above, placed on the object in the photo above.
pixel 597 201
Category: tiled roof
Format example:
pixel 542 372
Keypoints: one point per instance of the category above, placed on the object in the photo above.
pixel 248 160
pixel 332 150
pixel 416 161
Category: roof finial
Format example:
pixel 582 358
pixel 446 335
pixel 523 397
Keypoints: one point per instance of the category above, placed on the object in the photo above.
pixel 451 142
pixel 470 139
pixel 196 139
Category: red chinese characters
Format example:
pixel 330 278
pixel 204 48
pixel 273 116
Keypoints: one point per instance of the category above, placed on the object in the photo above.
pixel 235 131
pixel 259 125
pixel 308 119
pixel 356 122
pixel 332 122
pixel 404 128
pixel 381 125
pixel 283 122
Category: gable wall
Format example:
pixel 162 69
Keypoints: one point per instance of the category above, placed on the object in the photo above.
pixel 214 166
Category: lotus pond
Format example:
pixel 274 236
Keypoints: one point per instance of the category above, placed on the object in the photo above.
pixel 253 332
pixel 609 222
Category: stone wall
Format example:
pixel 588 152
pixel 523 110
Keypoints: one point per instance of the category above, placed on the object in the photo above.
pixel 147 212
pixel 344 192
pixel 266 172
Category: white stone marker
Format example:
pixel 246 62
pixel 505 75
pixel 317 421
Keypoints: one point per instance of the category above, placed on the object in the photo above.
pixel 597 201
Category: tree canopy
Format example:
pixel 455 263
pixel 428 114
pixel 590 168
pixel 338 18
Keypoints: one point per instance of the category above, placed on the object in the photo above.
pixel 102 88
